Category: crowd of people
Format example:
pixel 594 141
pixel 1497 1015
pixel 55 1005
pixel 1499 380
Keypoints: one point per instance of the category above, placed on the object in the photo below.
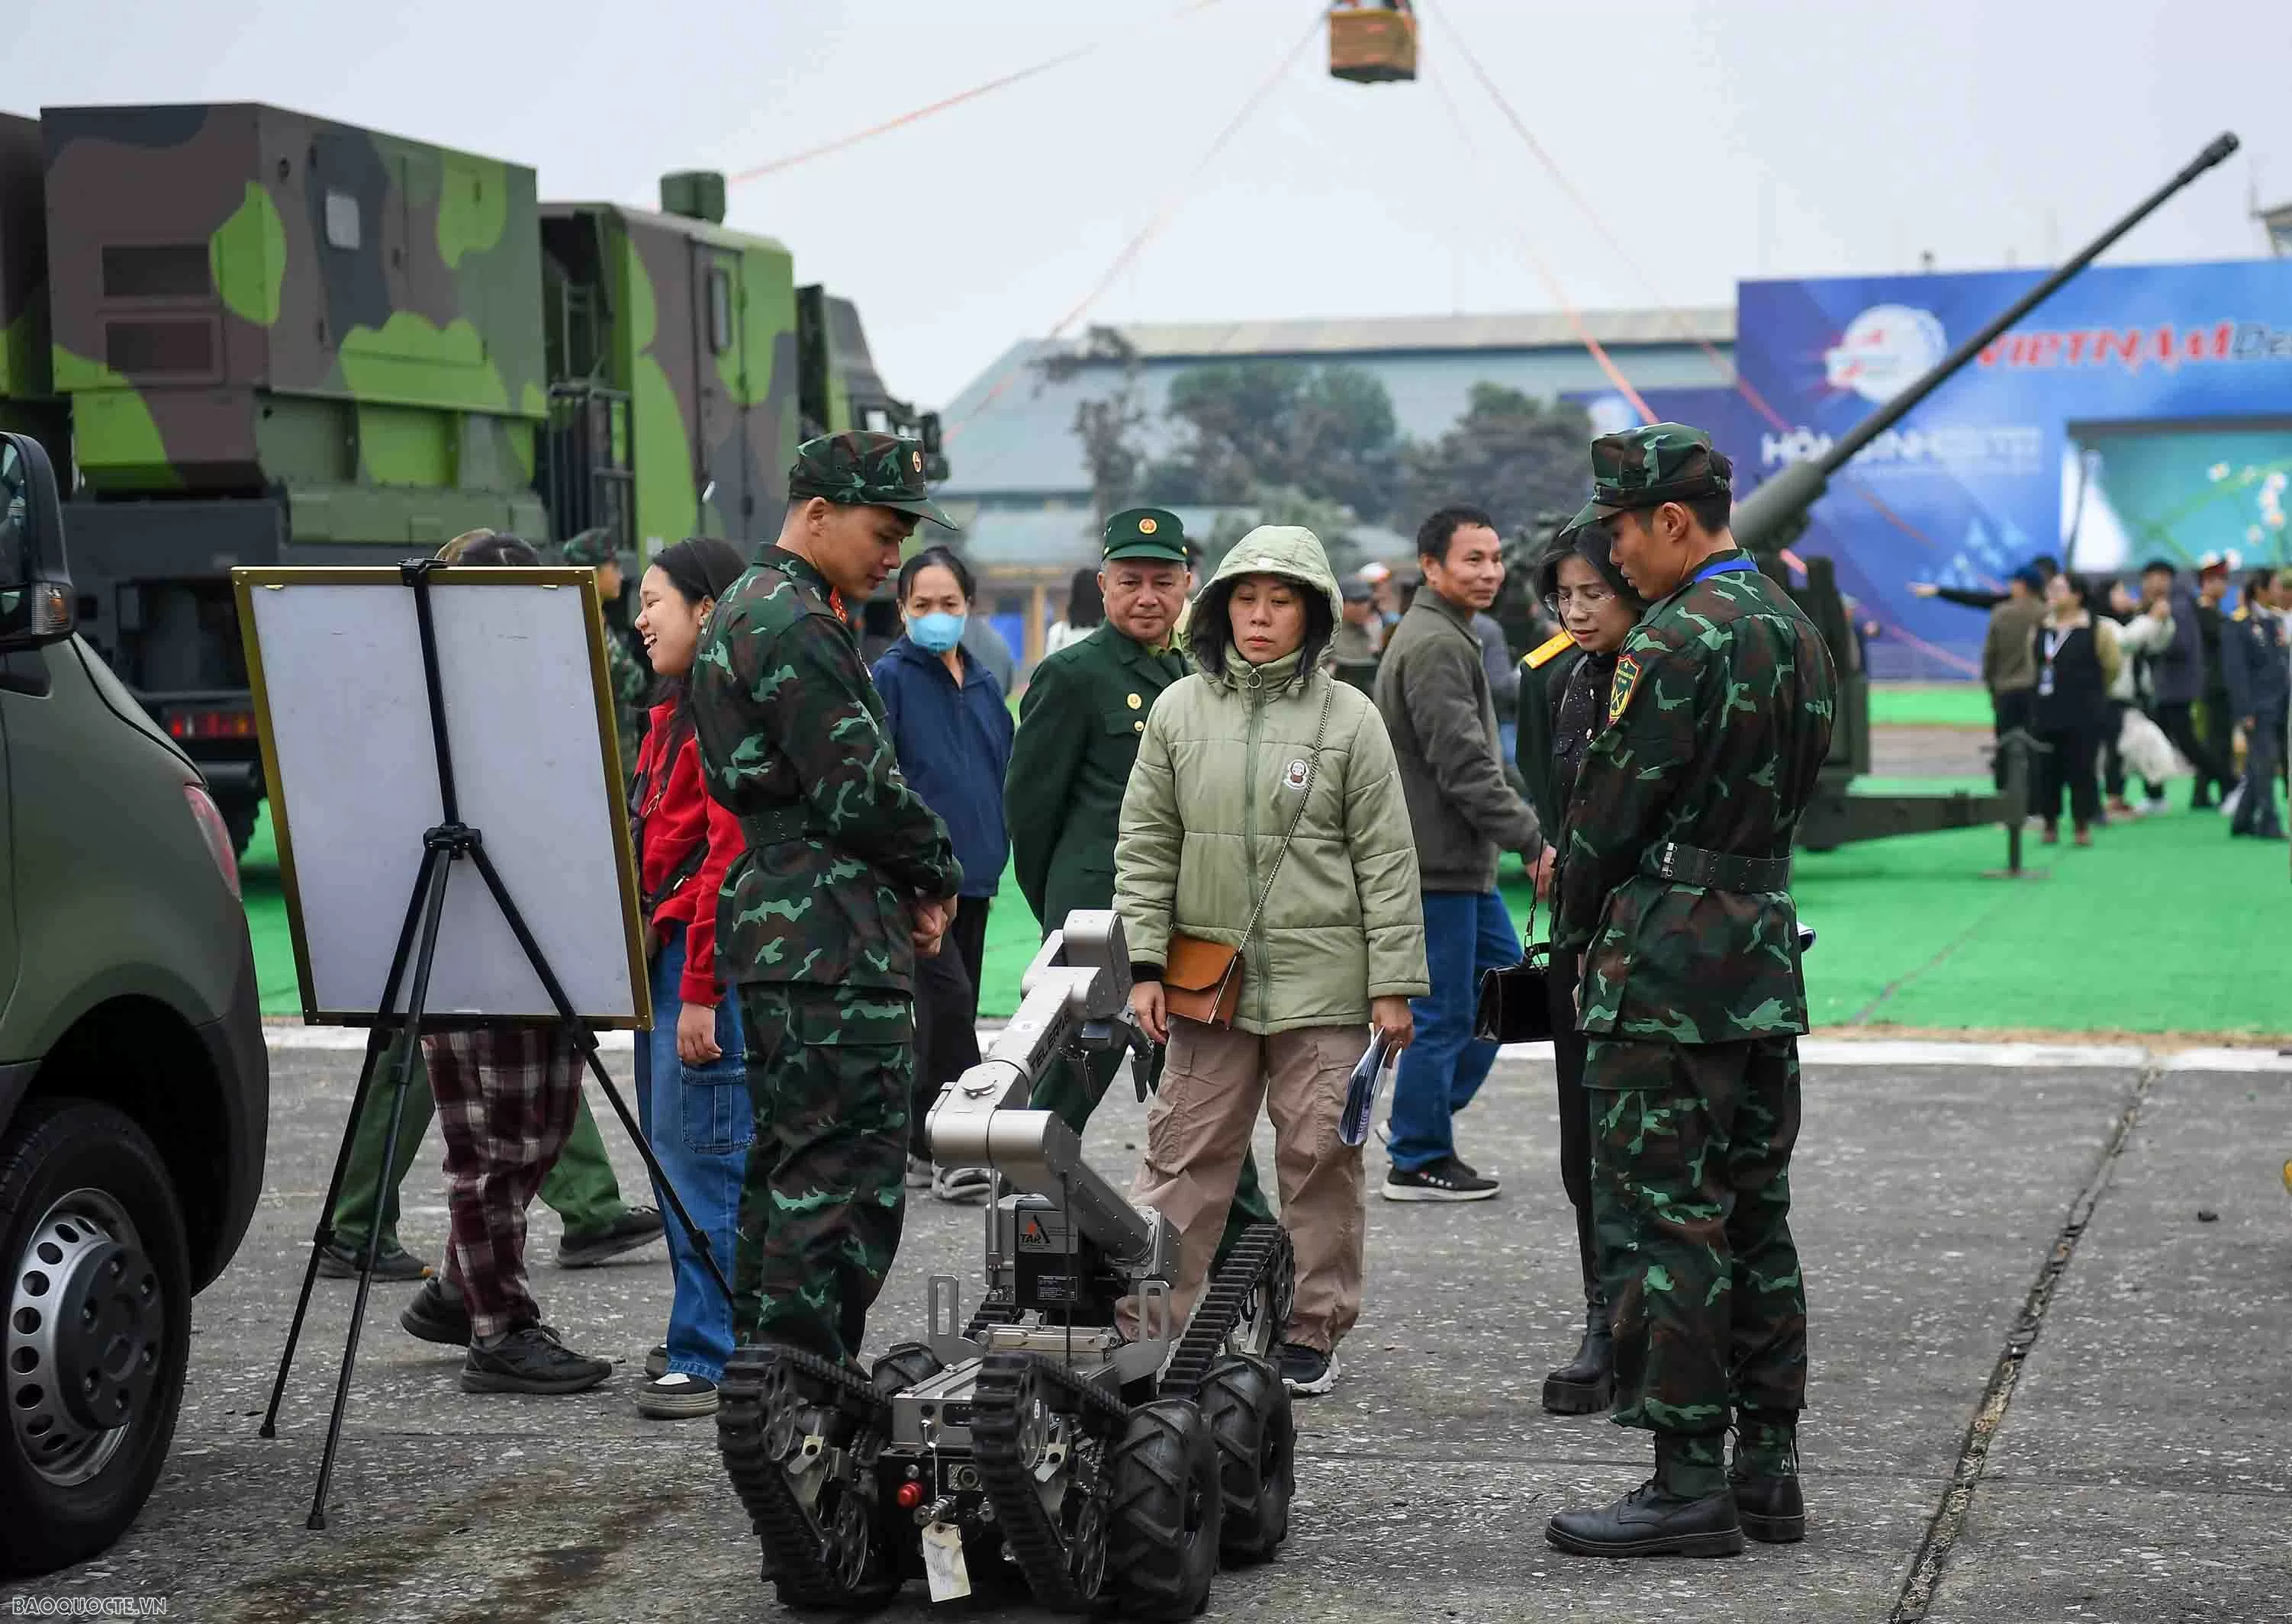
pixel 2133 684
pixel 1302 861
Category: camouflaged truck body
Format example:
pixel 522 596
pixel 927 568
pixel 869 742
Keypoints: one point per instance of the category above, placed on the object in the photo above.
pixel 263 337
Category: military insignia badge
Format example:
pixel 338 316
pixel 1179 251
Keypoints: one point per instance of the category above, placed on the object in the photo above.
pixel 1147 526
pixel 916 461
pixel 1295 776
pixel 1619 691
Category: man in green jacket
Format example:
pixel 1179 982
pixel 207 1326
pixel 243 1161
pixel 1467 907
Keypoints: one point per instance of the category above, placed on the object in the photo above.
pixel 1674 888
pixel 1079 725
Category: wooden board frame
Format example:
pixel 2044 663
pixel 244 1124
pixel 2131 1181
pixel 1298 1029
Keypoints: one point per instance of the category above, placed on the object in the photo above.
pixel 247 582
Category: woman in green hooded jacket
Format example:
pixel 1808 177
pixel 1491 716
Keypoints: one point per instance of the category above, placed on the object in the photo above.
pixel 1265 815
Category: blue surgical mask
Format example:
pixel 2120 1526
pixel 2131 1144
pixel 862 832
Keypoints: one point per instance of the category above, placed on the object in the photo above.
pixel 937 631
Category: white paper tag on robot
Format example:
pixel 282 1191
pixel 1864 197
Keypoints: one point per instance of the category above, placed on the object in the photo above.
pixel 943 1565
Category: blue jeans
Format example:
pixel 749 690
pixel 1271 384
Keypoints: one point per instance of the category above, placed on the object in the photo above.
pixel 1465 933
pixel 698 1120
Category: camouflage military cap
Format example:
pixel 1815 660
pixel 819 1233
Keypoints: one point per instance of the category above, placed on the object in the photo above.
pixel 1647 467
pixel 592 547
pixel 859 469
pixel 1146 533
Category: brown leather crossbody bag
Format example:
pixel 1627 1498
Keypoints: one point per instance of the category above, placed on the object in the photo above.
pixel 1201 980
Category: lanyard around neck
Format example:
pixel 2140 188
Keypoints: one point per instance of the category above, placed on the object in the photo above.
pixel 1724 567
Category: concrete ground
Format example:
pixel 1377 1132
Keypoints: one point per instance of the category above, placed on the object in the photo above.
pixel 2090 1252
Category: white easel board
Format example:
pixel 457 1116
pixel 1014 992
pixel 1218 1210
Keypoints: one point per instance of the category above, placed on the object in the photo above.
pixel 334 659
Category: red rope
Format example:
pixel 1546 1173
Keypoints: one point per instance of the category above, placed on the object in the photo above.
pixel 1155 223
pixel 940 105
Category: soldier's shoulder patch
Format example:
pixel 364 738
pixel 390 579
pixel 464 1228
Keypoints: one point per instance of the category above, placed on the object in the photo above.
pixel 1620 689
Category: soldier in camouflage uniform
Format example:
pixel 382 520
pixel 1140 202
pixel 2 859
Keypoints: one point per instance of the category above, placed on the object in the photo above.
pixel 1673 885
pixel 631 677
pixel 846 877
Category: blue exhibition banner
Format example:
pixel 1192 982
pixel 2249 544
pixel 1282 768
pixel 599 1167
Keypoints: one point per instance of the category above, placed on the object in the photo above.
pixel 2141 412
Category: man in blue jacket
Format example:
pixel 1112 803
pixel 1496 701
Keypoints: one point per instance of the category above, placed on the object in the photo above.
pixel 951 727
pixel 2259 667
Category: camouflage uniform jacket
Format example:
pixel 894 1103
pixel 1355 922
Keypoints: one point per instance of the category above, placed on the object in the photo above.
pixel 793 744
pixel 1718 717
pixel 632 680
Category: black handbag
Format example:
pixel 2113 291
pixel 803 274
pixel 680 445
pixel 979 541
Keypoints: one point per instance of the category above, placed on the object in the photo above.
pixel 1515 1002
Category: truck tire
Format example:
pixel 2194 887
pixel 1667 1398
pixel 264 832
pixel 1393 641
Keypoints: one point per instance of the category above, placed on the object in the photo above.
pixel 1162 1550
pixel 239 813
pixel 97 1333
pixel 1246 1408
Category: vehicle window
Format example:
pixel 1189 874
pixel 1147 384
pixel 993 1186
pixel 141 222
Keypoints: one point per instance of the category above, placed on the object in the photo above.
pixel 15 488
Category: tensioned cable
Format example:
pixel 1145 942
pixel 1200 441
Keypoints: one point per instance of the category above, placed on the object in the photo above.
pixel 1543 269
pixel 1159 220
pixel 1728 370
pixel 942 104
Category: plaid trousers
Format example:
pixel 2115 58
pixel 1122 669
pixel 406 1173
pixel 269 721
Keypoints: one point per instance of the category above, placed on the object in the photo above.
pixel 506 1099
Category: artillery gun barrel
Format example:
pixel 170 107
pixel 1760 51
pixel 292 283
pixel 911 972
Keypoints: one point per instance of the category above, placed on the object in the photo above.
pixel 1766 515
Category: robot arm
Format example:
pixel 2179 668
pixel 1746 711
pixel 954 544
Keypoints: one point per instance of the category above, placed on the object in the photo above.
pixel 1075 995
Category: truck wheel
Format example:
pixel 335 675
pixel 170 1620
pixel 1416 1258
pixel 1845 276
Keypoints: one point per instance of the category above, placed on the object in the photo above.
pixel 1163 1545
pixel 239 813
pixel 97 1334
pixel 1247 1410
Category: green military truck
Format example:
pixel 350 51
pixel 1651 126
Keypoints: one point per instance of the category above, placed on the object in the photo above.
pixel 261 338
pixel 134 1087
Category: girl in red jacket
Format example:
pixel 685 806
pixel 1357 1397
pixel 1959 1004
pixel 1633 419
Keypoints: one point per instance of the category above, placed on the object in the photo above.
pixel 691 1074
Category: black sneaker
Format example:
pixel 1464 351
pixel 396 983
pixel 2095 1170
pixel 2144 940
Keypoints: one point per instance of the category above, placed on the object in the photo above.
pixel 583 1249
pixel 676 1397
pixel 340 1260
pixel 1446 1179
pixel 657 1363
pixel 1307 1369
pixel 438 1315
pixel 530 1359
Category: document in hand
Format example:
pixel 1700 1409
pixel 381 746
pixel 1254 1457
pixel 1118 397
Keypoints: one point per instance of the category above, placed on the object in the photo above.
pixel 1360 1091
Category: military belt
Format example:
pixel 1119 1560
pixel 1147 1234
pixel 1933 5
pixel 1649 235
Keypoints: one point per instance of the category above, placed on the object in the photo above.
pixel 1716 870
pixel 781 826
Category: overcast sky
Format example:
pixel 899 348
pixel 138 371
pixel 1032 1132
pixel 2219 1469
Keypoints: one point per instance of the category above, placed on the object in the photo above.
pixel 1715 141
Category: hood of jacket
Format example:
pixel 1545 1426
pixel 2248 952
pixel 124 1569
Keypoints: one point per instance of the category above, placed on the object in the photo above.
pixel 1281 550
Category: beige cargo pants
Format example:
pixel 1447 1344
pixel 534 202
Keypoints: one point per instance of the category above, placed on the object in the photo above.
pixel 1200 1125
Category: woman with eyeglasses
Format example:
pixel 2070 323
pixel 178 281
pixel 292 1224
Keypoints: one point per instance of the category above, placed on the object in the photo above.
pixel 1563 700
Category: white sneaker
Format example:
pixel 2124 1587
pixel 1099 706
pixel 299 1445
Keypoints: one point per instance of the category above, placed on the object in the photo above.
pixel 2231 800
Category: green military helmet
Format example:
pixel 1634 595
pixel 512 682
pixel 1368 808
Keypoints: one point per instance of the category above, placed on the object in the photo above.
pixel 592 547
pixel 1650 465
pixel 858 468
pixel 1145 533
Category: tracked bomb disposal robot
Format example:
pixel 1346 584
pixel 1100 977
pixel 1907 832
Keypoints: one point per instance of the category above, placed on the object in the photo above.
pixel 1071 1438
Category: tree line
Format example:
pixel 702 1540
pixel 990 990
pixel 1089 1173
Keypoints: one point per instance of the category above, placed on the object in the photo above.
pixel 1318 445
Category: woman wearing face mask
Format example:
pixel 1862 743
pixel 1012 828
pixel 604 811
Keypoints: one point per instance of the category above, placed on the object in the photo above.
pixel 692 1071
pixel 1562 702
pixel 952 730
pixel 1265 820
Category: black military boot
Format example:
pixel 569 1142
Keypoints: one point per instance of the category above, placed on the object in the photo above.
pixel 1683 1510
pixel 1585 1383
pixel 1764 1476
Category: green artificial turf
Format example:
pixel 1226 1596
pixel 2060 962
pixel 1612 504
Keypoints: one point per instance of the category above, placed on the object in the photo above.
pixel 1929 704
pixel 2165 925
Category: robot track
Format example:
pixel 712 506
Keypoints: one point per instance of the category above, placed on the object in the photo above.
pixel 800 1437
pixel 1016 1406
pixel 1251 1291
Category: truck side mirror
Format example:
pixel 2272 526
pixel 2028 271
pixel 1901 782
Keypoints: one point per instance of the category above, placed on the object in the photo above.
pixel 36 590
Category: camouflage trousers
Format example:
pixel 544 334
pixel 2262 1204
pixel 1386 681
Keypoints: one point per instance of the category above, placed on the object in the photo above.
pixel 829 1070
pixel 1691 1204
